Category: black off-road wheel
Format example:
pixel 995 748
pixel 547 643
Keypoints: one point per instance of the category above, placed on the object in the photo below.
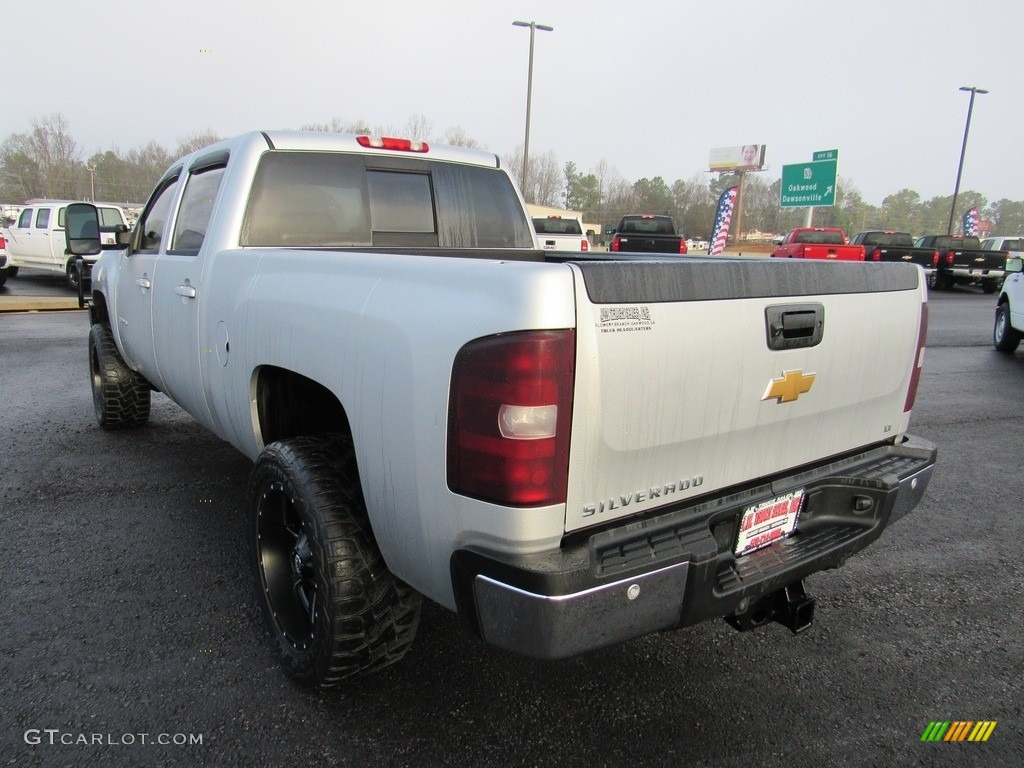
pixel 333 608
pixel 120 396
pixel 1005 337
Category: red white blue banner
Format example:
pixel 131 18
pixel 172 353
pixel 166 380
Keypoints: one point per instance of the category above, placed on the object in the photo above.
pixel 970 224
pixel 722 221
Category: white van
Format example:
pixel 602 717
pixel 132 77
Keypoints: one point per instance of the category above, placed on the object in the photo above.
pixel 36 240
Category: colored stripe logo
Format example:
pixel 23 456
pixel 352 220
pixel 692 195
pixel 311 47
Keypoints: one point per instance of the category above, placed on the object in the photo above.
pixel 959 730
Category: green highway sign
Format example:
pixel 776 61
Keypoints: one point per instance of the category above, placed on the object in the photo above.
pixel 826 154
pixel 808 185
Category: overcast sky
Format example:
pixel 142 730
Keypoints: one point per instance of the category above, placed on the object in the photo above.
pixel 650 87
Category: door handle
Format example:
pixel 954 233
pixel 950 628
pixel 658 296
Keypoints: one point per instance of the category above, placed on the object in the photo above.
pixel 186 290
pixel 143 282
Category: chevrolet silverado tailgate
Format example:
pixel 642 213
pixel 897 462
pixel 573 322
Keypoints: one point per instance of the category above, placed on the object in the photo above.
pixel 694 375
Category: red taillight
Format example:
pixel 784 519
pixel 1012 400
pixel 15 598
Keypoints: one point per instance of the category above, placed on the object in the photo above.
pixel 616 245
pixel 949 258
pixel 3 243
pixel 386 142
pixel 876 255
pixel 682 246
pixel 935 259
pixel 915 375
pixel 585 245
pixel 509 416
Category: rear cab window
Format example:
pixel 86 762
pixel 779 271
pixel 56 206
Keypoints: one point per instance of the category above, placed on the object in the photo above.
pixel 557 226
pixel 338 200
pixel 819 238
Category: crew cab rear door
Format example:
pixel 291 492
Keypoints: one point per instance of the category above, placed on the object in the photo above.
pixel 179 301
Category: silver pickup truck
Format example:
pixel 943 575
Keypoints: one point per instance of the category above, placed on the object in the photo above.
pixel 570 450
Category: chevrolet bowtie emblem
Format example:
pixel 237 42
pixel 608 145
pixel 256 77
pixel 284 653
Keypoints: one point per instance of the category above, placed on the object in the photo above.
pixel 789 387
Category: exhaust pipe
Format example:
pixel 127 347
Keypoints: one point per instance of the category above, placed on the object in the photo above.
pixel 790 606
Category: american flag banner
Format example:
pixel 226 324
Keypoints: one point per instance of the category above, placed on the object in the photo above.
pixel 971 223
pixel 722 221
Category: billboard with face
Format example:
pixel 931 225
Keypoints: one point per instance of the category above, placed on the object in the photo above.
pixel 749 157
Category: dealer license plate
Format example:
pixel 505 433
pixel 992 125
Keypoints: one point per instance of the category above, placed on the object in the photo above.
pixel 768 522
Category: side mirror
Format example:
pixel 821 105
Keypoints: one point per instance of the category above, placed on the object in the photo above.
pixel 1015 264
pixel 82 229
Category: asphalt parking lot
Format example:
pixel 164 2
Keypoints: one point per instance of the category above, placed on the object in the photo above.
pixel 132 634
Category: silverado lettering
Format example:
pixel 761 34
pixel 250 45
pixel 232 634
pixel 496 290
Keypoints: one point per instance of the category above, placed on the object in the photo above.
pixel 668 489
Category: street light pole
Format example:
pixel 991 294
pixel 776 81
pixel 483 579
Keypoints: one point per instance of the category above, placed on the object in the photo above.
pixel 534 26
pixel 963 150
pixel 92 181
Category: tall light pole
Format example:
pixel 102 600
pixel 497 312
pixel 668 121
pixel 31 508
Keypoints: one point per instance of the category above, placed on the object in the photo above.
pixel 963 149
pixel 92 181
pixel 534 26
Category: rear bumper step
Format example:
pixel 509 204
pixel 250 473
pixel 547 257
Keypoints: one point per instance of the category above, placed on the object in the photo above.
pixel 677 568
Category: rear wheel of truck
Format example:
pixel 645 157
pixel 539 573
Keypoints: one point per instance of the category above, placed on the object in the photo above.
pixel 990 286
pixel 331 604
pixel 120 396
pixel 1005 337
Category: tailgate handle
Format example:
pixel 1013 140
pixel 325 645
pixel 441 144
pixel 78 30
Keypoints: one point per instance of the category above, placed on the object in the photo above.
pixel 793 326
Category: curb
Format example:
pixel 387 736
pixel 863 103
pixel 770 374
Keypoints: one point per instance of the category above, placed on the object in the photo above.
pixel 37 303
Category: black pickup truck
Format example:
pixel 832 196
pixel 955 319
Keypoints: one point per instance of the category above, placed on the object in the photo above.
pixel 647 233
pixel 887 245
pixel 962 261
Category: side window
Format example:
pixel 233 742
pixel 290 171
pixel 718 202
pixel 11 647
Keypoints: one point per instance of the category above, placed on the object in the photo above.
pixel 25 220
pixel 195 209
pixel 153 225
pixel 60 217
pixel 43 218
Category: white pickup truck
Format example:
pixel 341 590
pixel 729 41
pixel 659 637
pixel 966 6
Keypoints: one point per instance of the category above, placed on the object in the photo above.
pixel 569 450
pixel 1009 326
pixel 557 233
pixel 36 239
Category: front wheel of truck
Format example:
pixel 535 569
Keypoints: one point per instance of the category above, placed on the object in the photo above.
pixel 120 396
pixel 1005 337
pixel 331 604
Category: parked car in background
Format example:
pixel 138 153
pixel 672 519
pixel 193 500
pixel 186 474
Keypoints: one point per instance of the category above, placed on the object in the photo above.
pixel 647 233
pixel 1014 246
pixel 887 245
pixel 557 233
pixel 1009 325
pixel 963 262
pixel 36 240
pixel 818 243
pixel 4 270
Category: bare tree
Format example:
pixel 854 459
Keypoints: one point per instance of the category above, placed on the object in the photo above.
pixel 194 141
pixel 457 137
pixel 43 162
pixel 418 127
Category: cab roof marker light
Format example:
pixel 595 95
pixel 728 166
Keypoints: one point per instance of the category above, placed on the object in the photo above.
pixel 388 142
